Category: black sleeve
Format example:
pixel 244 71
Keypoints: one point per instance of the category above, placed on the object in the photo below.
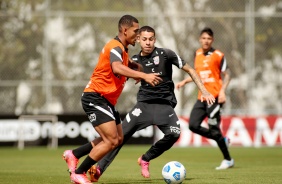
pixel 174 58
pixel 135 58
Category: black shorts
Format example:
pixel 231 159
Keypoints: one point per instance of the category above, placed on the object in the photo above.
pixel 201 110
pixel 144 114
pixel 98 109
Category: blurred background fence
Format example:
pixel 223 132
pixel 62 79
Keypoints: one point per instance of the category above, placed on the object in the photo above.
pixel 48 49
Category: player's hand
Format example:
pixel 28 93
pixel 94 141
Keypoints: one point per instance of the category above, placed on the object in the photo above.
pixel 153 79
pixel 137 81
pixel 135 66
pixel 179 85
pixel 221 97
pixel 208 97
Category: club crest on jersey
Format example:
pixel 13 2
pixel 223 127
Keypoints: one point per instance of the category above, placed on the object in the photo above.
pixel 92 117
pixel 156 60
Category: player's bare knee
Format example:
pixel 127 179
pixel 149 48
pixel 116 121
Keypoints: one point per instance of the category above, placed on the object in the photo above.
pixel 120 140
pixel 114 143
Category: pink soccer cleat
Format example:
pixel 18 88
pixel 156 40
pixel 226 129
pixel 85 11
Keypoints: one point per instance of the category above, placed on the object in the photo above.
pixel 71 160
pixel 79 178
pixel 144 167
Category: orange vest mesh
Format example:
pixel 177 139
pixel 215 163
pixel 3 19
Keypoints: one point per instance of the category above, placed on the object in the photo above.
pixel 208 68
pixel 103 80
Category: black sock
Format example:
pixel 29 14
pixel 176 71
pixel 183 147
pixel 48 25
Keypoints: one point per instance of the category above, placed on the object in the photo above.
pixel 145 158
pixel 82 150
pixel 224 149
pixel 85 165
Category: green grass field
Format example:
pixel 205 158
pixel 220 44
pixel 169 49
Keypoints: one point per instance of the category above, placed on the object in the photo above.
pixel 42 165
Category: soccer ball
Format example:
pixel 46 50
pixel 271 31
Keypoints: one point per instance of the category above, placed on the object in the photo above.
pixel 174 172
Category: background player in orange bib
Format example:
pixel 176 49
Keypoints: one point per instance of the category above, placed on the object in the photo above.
pixel 210 64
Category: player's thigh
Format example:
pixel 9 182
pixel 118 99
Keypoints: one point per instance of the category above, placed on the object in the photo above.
pixel 108 131
pixel 198 114
pixel 166 120
pixel 213 111
pixel 138 118
pixel 120 132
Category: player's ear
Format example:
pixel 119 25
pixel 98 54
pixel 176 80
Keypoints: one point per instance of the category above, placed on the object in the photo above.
pixel 138 38
pixel 124 30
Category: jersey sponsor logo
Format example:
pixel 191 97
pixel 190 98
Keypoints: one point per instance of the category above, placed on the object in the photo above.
pixel 205 76
pixel 148 64
pixel 175 129
pixel 206 63
pixel 171 115
pixel 156 60
pixel 92 117
pixel 136 112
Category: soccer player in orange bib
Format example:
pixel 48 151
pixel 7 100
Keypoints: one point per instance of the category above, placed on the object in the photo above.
pixel 210 64
pixel 100 96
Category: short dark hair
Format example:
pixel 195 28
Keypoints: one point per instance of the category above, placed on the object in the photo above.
pixel 208 31
pixel 126 20
pixel 147 28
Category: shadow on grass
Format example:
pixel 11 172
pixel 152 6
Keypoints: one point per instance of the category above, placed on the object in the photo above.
pixel 141 181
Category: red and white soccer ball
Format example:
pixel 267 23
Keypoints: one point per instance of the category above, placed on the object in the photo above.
pixel 174 172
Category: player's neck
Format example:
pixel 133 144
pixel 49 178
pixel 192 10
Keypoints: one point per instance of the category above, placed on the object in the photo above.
pixel 144 54
pixel 122 40
pixel 206 50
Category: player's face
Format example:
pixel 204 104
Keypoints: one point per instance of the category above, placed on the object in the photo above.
pixel 147 42
pixel 131 33
pixel 206 41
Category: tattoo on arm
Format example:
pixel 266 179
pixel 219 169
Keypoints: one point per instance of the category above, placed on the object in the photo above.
pixel 196 79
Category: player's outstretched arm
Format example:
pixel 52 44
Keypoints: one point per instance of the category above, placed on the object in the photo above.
pixel 120 69
pixel 135 66
pixel 205 94
pixel 183 82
